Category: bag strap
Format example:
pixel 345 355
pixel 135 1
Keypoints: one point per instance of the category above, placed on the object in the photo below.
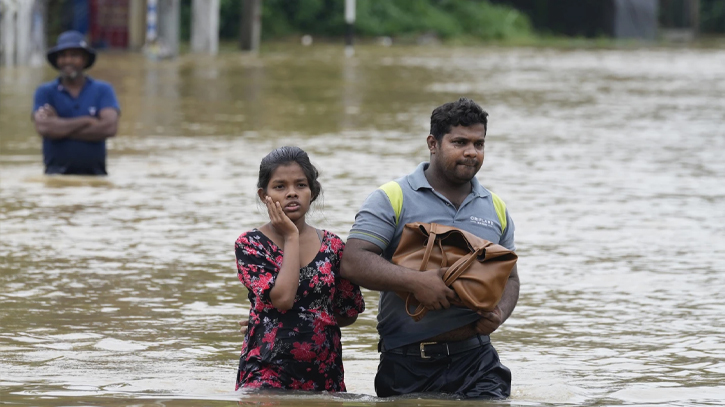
pixel 432 237
pixel 460 266
pixel 444 256
pixel 420 310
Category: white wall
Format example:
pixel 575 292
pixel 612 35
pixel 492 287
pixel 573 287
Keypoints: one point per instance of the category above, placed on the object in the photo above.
pixel 22 32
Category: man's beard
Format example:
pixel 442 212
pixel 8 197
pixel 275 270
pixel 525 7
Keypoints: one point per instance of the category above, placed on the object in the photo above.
pixel 471 169
pixel 72 75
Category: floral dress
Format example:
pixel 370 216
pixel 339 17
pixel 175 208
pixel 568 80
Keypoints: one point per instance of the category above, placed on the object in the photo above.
pixel 299 348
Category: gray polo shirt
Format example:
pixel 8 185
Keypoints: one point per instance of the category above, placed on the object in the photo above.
pixel 375 223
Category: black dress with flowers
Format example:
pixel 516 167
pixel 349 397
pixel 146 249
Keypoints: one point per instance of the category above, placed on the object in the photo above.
pixel 299 348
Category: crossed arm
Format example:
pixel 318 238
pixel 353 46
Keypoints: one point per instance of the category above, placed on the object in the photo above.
pixel 85 128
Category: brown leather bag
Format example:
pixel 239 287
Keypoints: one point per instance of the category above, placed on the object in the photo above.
pixel 477 269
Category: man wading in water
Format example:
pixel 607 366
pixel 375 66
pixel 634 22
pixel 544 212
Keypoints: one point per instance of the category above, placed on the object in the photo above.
pixel 74 113
pixel 449 350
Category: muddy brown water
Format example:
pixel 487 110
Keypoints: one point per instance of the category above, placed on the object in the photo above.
pixel 122 290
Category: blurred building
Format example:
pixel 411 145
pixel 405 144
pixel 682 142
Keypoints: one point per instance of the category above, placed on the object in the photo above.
pixel 22 32
pixel 135 24
pixel 117 24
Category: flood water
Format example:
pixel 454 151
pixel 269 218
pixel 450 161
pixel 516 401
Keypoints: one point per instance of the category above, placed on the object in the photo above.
pixel 123 291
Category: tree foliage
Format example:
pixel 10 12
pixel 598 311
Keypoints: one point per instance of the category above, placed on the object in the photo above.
pixel 443 18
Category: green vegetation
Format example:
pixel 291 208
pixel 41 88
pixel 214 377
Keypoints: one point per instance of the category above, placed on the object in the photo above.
pixel 712 16
pixel 445 19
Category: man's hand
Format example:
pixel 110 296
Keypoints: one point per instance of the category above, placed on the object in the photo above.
pixel 431 291
pixel 49 110
pixel 243 326
pixel 44 112
pixel 489 322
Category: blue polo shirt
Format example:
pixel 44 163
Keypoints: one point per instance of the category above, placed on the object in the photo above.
pixel 376 223
pixel 68 156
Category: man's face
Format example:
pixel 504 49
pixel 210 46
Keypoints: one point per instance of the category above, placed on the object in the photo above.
pixel 71 62
pixel 459 155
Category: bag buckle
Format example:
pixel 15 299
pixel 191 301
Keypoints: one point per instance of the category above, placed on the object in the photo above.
pixel 422 349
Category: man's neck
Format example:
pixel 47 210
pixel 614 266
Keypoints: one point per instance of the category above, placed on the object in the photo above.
pixel 75 83
pixel 456 193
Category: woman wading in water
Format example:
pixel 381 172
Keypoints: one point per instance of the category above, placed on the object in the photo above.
pixel 298 301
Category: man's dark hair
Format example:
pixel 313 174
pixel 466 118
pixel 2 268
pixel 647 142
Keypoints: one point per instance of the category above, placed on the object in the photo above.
pixel 463 112
pixel 284 156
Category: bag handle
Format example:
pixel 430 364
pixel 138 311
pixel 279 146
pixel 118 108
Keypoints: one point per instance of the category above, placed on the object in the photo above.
pixel 449 277
pixel 420 310
pixel 432 236
pixel 444 257
pixel 461 266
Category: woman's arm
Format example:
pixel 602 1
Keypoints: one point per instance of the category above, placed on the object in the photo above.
pixel 285 288
pixel 345 321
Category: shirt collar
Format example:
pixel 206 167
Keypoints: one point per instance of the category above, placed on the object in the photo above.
pixel 59 86
pixel 417 180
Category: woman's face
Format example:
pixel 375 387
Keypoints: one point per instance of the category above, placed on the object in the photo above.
pixel 289 186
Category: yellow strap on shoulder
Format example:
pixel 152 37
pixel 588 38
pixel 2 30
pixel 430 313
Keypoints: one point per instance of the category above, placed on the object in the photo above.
pixel 500 206
pixel 395 195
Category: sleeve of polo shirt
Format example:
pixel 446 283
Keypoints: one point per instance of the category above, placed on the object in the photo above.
pixel 107 98
pixel 41 97
pixel 375 222
pixel 507 237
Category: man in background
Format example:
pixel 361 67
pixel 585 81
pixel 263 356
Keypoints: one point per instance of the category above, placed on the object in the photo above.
pixel 74 113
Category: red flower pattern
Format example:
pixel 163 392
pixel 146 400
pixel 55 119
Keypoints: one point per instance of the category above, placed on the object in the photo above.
pixel 303 351
pixel 319 339
pixel 269 336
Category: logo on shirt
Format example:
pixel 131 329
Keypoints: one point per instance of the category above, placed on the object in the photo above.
pixel 92 110
pixel 482 222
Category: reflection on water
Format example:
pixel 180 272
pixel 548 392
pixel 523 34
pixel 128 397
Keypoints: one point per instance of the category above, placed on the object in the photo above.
pixel 122 290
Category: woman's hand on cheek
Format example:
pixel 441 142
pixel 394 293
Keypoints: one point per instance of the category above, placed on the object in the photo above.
pixel 279 220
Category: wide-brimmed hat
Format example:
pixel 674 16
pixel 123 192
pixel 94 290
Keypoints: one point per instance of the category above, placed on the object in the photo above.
pixel 70 40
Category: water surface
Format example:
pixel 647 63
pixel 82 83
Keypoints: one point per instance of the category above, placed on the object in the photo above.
pixel 122 290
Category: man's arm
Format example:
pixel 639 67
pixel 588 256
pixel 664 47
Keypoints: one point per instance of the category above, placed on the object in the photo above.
pixel 490 321
pixel 363 265
pixel 510 296
pixel 48 124
pixel 100 129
